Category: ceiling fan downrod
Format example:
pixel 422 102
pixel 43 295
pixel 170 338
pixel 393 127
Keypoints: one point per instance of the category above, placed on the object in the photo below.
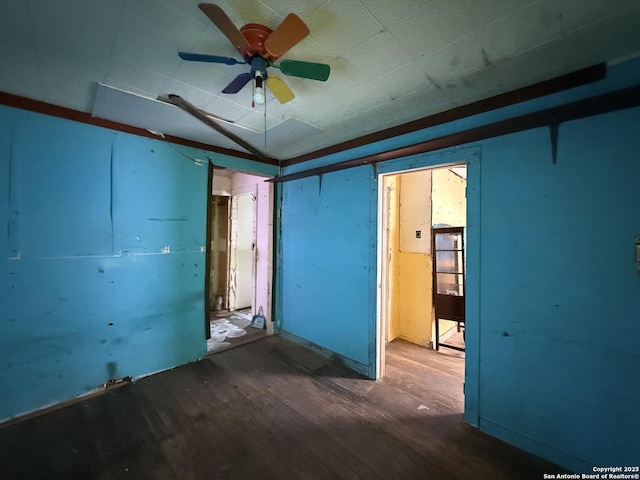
pixel 259 72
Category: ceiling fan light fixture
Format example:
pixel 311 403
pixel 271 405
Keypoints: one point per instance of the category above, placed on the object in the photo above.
pixel 258 91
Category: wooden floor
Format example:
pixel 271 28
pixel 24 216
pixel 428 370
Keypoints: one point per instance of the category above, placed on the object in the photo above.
pixel 270 410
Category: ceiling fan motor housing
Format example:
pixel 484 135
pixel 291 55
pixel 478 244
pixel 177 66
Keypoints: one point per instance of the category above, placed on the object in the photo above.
pixel 258 64
pixel 256 35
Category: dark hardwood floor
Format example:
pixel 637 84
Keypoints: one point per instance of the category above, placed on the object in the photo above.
pixel 270 410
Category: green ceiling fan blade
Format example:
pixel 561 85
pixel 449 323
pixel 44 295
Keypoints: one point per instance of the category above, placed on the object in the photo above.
pixel 313 71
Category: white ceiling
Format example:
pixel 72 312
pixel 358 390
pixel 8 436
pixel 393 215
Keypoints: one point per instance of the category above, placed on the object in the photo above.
pixel 391 61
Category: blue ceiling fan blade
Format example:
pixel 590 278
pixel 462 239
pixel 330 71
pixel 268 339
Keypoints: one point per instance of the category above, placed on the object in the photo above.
pixel 236 85
pixel 200 57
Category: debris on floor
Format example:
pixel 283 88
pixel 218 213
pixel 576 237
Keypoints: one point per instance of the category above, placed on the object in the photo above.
pixel 225 328
pixel 117 382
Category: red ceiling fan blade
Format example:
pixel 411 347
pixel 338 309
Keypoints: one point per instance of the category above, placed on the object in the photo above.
pixel 224 24
pixel 289 33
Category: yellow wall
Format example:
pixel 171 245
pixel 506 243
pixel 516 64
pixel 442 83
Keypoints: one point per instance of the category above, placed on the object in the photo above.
pixel 410 309
pixel 448 192
pixel 415 302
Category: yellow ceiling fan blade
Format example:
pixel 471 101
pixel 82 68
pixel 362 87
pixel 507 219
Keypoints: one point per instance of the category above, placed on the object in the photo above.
pixel 279 89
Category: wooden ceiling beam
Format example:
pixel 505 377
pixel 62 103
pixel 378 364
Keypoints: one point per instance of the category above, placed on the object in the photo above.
pixel 83 117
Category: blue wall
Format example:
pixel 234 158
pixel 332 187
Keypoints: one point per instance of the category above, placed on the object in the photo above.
pixel 560 293
pixel 326 263
pixel 553 294
pixel 87 292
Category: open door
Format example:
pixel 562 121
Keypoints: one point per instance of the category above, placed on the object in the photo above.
pixel 242 251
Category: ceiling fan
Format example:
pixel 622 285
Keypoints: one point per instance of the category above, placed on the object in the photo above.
pixel 260 47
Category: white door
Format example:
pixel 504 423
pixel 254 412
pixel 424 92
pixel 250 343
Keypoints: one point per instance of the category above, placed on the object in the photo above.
pixel 242 261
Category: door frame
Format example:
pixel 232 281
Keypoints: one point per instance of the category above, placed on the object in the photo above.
pixel 471 156
pixel 207 254
pixel 382 304
pixel 263 277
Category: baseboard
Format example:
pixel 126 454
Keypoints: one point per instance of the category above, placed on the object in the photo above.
pixel 52 407
pixel 425 344
pixel 354 365
pixel 448 334
pixel 539 449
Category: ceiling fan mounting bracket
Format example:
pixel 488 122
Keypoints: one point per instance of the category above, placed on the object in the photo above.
pixel 256 35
